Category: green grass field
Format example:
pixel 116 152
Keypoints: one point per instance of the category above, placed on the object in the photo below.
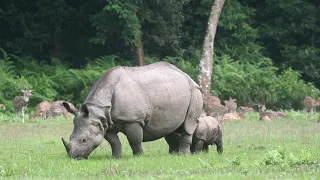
pixel 282 149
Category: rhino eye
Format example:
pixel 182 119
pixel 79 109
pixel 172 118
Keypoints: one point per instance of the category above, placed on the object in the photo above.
pixel 84 140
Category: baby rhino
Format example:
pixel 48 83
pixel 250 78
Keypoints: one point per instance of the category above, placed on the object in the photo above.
pixel 208 132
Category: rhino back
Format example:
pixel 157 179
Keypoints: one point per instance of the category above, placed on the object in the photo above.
pixel 208 129
pixel 101 92
pixel 156 95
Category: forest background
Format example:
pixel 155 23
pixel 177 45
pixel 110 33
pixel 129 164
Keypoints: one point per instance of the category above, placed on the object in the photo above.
pixel 266 51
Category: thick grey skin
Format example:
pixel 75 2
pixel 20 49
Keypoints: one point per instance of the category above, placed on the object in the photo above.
pixel 145 103
pixel 208 132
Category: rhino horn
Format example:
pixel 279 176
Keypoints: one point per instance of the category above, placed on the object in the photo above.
pixel 66 145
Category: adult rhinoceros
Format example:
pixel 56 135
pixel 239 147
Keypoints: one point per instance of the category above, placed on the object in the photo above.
pixel 145 103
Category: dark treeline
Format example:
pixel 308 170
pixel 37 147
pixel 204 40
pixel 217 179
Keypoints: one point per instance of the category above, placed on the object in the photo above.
pixel 274 36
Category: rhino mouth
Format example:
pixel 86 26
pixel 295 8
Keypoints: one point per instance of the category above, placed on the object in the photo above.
pixel 76 154
pixel 79 157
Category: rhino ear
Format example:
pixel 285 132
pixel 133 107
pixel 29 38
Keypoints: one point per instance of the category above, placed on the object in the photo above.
pixel 84 109
pixel 69 109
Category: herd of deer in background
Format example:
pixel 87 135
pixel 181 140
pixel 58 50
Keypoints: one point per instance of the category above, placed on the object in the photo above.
pixel 228 110
pixel 45 109
pixel 212 104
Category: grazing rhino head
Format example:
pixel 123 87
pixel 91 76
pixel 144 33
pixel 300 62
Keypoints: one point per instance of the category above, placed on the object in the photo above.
pixel 88 131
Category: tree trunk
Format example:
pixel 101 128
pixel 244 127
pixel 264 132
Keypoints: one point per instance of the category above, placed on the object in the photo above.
pixel 139 56
pixel 56 50
pixel 138 48
pixel 206 61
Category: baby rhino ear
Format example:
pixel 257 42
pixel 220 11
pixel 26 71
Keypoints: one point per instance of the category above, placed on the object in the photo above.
pixel 69 109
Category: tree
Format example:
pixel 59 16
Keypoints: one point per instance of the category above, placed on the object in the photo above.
pixel 139 55
pixel 206 61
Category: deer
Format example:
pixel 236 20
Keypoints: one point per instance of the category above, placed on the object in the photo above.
pixel 216 110
pixel 236 116
pixel 213 99
pixel 57 108
pixel 2 106
pixel 310 104
pixel 278 114
pixel 20 103
pixel 264 116
pixel 42 109
pixel 209 100
pixel 271 114
pixel 231 105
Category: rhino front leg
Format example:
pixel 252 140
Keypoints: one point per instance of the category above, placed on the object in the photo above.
pixel 114 141
pixel 198 145
pixel 134 133
pixel 206 147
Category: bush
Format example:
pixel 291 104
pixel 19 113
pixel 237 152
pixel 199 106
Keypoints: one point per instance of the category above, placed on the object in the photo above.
pixel 258 82
pixel 292 90
pixel 280 157
pixel 275 157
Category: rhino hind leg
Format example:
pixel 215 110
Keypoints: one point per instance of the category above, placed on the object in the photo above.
pixel 185 143
pixel 134 133
pixel 191 121
pixel 173 142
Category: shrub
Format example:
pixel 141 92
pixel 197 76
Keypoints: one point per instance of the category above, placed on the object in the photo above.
pixel 280 157
pixel 259 83
pixel 275 157
pixel 292 90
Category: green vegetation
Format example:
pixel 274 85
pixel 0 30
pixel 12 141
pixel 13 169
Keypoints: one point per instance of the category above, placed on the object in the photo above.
pixel 282 149
pixel 247 82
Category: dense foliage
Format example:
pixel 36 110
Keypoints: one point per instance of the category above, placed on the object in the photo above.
pixel 266 51
pixel 249 83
